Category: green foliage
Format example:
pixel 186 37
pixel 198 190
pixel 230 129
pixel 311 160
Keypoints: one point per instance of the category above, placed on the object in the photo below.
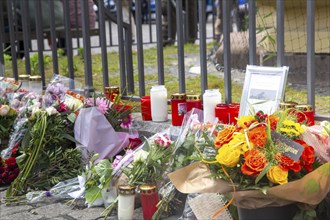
pixel 34 62
pixel 81 53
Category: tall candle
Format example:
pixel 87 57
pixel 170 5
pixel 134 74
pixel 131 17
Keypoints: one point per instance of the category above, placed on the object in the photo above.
pixel 158 99
pixel 211 98
pixel 126 199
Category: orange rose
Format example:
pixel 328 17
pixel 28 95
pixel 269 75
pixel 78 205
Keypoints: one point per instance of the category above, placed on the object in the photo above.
pixel 258 136
pixel 224 136
pixel 255 162
pixel 273 119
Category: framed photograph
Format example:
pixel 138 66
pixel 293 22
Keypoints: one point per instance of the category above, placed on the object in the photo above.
pixel 263 89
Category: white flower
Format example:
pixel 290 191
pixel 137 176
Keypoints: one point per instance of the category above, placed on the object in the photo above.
pixel 141 155
pixel 4 109
pixel 35 109
pixel 51 110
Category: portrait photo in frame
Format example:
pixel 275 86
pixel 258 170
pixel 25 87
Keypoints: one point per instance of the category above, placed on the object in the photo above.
pixel 263 89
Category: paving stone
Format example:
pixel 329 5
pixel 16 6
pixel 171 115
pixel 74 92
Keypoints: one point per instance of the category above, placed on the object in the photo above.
pixel 22 215
pixel 87 213
pixel 10 210
pixel 53 210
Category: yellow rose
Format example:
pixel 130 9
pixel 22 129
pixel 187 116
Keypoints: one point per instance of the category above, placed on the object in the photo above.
pixel 277 175
pixel 228 156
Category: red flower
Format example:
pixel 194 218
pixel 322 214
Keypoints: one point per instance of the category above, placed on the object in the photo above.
pixel 255 162
pixel 307 157
pixel 11 162
pixel 287 163
pixel 134 143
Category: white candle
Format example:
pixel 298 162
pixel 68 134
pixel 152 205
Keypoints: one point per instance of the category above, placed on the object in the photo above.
pixel 210 99
pixel 158 100
pixel 126 199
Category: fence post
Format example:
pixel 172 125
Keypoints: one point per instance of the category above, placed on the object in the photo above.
pixel 87 48
pixel 2 30
pixel 310 52
pixel 12 38
pixel 159 33
pixel 103 43
pixel 226 50
pixel 252 33
pixel 280 32
pixel 179 30
pixel 202 44
pixel 139 45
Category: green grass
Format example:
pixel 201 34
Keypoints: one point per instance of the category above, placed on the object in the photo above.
pixel 151 75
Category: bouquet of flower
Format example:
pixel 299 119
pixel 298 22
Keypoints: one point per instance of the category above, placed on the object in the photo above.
pixel 261 152
pixel 7 119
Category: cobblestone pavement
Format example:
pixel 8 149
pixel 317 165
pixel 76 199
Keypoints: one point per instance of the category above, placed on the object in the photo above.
pixel 59 211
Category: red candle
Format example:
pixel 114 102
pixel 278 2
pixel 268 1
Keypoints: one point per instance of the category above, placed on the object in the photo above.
pixel 146 108
pixel 111 92
pixel 233 113
pixel 193 101
pixel 305 113
pixel 222 113
pixel 179 108
pixel 149 200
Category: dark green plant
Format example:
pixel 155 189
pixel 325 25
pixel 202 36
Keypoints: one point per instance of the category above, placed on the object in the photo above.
pixel 34 63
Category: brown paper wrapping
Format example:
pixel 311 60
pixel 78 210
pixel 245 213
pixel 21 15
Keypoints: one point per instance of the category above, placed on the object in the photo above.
pixel 311 189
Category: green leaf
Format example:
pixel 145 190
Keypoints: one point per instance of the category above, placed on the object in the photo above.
pixel 262 173
pixel 93 194
pixel 104 169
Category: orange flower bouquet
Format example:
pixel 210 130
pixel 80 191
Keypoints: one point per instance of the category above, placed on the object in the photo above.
pixel 262 161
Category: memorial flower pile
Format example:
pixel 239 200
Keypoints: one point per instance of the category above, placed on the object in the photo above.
pixel 7 119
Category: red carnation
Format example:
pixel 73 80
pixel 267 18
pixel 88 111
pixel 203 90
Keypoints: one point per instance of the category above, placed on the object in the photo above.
pixel 11 162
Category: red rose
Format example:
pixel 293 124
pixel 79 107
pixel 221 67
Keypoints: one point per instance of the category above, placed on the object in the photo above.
pixel 11 162
pixel 286 163
pixel 134 143
pixel 11 178
pixel 307 157
pixel 255 162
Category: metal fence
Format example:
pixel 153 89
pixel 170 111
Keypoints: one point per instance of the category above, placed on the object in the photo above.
pixel 19 36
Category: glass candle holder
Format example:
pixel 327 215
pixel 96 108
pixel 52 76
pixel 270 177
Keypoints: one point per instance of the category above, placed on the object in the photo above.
pixel 149 200
pixel 179 108
pixel 210 99
pixel 305 113
pixel 158 99
pixel 233 113
pixel 193 101
pixel 111 92
pixel 146 108
pixel 35 84
pixel 288 106
pixel 24 79
pixel 222 113
pixel 126 199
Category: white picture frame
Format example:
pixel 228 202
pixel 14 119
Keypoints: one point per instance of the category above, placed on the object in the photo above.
pixel 263 89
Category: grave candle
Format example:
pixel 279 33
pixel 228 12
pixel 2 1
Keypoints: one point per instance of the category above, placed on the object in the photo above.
pixel 158 99
pixel 210 99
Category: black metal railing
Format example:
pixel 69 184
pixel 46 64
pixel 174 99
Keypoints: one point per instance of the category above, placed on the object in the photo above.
pixel 16 30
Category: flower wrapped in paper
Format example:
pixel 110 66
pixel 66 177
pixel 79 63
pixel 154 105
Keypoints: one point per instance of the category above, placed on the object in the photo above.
pixel 261 152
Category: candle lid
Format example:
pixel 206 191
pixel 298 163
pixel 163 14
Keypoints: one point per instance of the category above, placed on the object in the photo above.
pixel 304 108
pixel 193 97
pixel 148 188
pixel 35 78
pixel 286 105
pixel 126 189
pixel 112 89
pixel 23 77
pixel 178 96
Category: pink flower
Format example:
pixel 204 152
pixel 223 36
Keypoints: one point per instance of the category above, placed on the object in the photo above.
pixel 162 141
pixel 101 104
pixel 126 122
pixel 116 161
